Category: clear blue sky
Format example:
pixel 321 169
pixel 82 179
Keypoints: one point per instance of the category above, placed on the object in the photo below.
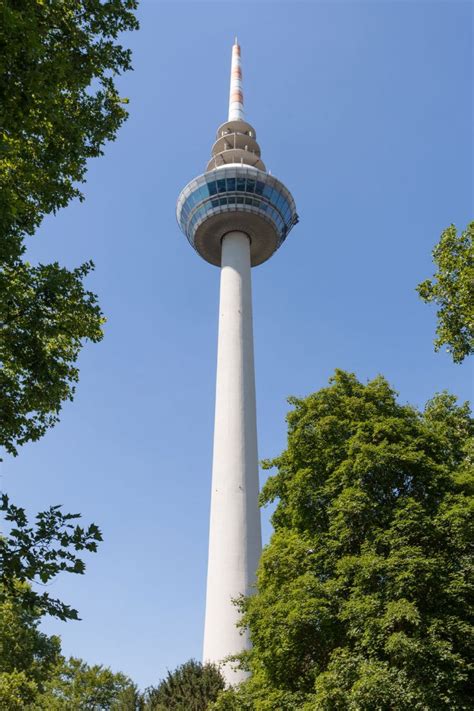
pixel 364 111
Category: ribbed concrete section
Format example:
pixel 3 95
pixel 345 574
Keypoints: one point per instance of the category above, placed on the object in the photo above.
pixel 235 534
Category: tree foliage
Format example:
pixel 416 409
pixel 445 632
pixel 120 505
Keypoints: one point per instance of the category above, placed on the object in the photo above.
pixel 27 656
pixel 58 101
pixel 37 553
pixel 363 597
pixel 59 104
pixel 34 675
pixel 45 315
pixel 452 290
pixel 191 687
pixel 83 687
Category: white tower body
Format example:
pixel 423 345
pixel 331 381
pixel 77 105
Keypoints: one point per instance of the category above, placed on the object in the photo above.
pixel 236 216
pixel 234 536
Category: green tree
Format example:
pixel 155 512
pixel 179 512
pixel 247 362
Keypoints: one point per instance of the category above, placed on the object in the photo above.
pixel 129 699
pixel 191 687
pixel 28 657
pixel 59 105
pixel 364 590
pixel 34 675
pixel 452 290
pixel 240 699
pixel 58 102
pixel 45 316
pixel 78 686
pixel 37 553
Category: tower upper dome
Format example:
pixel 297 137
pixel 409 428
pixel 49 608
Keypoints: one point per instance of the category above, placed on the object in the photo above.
pixel 236 192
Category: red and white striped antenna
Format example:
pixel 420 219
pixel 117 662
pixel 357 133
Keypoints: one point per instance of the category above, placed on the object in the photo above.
pixel 236 96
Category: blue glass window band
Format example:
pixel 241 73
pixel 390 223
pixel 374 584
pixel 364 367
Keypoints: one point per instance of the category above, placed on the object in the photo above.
pixel 262 194
pixel 276 198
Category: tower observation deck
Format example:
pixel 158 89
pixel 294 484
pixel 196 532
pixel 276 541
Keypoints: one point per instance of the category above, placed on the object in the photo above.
pixel 235 215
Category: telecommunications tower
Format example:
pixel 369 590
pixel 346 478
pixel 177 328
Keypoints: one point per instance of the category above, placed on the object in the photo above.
pixel 235 216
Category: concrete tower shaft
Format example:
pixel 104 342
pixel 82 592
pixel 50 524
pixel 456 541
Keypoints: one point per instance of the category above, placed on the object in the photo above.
pixel 235 542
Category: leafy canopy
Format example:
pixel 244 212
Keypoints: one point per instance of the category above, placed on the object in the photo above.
pixel 45 315
pixel 59 105
pixel 36 554
pixel 77 685
pixel 190 687
pixel 34 675
pixel 363 592
pixel 58 101
pixel 452 290
pixel 27 656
